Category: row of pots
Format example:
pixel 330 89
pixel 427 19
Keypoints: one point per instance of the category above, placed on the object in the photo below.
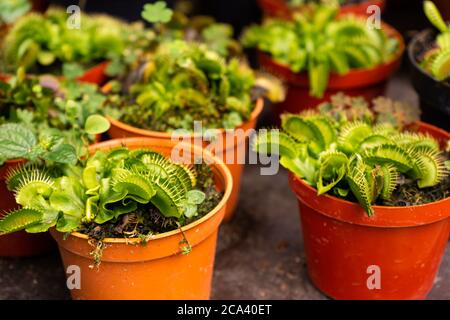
pixel 340 243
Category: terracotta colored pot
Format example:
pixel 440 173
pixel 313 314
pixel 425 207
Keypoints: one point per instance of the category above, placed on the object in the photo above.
pixel 344 247
pixel 157 270
pixel 279 8
pixel 236 147
pixel 19 244
pixel 368 83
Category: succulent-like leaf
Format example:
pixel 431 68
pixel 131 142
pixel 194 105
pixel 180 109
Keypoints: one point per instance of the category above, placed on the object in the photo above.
pixel 69 199
pixel 303 130
pixel 440 67
pixel 390 154
pixel 433 14
pixel 275 142
pixel 416 140
pixel 374 141
pixel 134 186
pixel 390 180
pixel 19 220
pixel 352 135
pixel 429 168
pixel 359 184
pixel 332 168
pixel 302 168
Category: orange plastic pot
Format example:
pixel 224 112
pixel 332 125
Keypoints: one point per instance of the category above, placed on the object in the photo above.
pixel 158 269
pixel 232 146
pixel 368 83
pixel 348 252
pixel 19 244
pixel 279 8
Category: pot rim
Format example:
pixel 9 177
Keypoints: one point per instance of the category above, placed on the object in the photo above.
pixel 384 216
pixel 326 195
pixel 222 170
pixel 259 104
pixel 390 30
pixel 410 51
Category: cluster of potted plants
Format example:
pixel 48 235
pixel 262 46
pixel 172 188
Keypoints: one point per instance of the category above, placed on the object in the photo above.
pixel 321 52
pixel 139 214
pixel 110 199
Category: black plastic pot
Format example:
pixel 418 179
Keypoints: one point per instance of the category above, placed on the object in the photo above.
pixel 434 95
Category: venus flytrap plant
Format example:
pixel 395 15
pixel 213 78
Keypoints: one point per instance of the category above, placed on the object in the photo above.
pixel 104 189
pixel 437 60
pixel 356 158
pixel 182 83
pixel 320 42
pixel 43 42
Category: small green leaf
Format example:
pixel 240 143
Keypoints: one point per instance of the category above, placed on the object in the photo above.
pixel 46 58
pixel 63 153
pixel 157 12
pixel 190 210
pixel 195 197
pixel 96 124
pixel 72 70
pixel 19 220
pixel 16 141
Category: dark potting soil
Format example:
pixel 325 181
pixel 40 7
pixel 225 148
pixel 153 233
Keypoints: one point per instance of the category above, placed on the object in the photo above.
pixel 148 220
pixel 408 193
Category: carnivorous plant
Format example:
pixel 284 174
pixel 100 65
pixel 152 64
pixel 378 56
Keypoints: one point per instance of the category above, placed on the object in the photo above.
pixel 354 157
pixel 437 60
pixel 143 186
pixel 44 43
pixel 320 42
pixel 182 83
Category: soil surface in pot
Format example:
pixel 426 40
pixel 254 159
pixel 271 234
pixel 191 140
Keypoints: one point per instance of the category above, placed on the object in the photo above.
pixel 148 220
pixel 408 193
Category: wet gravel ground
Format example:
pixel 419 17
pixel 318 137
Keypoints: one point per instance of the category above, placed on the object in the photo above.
pixel 259 256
